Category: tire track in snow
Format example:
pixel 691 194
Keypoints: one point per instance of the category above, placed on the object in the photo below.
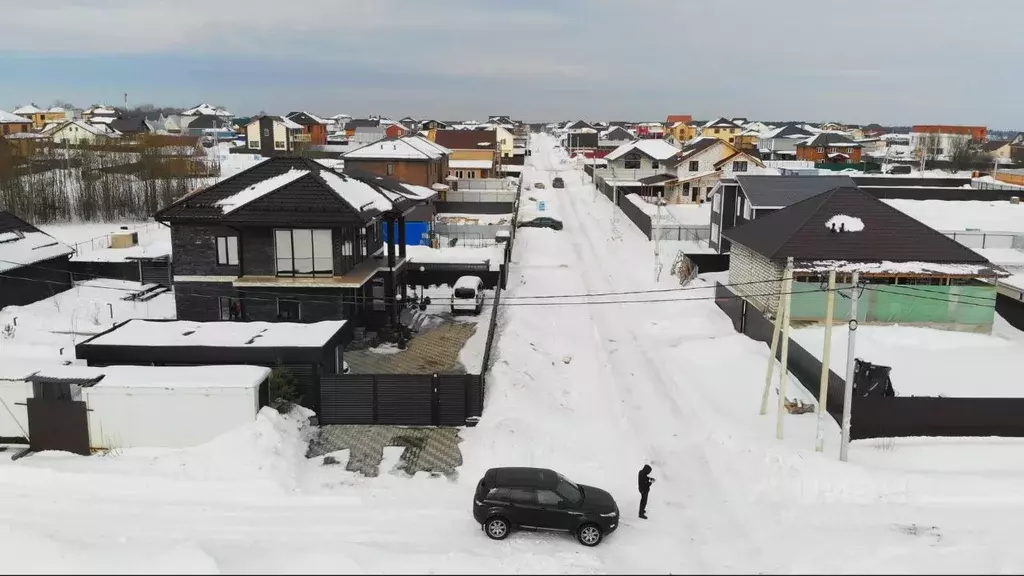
pixel 597 273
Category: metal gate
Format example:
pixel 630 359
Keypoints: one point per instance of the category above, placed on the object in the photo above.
pixel 399 399
pixel 155 271
pixel 58 424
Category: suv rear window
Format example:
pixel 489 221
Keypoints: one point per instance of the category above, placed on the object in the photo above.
pixel 465 293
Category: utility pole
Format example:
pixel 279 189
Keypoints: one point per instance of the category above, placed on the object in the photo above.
pixel 844 448
pixel 774 348
pixel 657 241
pixel 784 374
pixel 825 358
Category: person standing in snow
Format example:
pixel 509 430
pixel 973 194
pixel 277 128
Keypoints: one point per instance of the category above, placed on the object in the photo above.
pixel 643 483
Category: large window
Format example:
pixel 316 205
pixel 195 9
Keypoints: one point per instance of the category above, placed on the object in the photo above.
pixel 632 162
pixel 304 252
pixel 227 250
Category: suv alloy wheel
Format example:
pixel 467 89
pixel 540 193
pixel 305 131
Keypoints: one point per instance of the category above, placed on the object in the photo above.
pixel 497 528
pixel 589 535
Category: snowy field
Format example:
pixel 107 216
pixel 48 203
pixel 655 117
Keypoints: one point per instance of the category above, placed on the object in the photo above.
pixel 599 369
pixel 952 215
pixel 929 362
pixel 50 328
pixel 91 240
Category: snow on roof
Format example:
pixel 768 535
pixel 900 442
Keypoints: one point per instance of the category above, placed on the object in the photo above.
pixel 28 109
pixel 205 109
pixel 846 223
pixel 222 334
pixel 458 255
pixel 103 110
pixel 101 119
pixel 482 164
pixel 258 190
pixel 888 267
pixel 399 148
pixel 657 149
pixel 95 129
pixel 288 123
pixel 8 118
pixel 21 248
pixel 170 377
pixel 357 193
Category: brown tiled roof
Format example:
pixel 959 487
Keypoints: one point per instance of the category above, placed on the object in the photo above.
pixel 467 139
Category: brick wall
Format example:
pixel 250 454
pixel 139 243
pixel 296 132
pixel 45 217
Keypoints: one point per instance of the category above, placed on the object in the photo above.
pixel 747 266
pixel 194 249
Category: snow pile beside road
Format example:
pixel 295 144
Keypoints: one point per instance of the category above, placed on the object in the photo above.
pixel 272 448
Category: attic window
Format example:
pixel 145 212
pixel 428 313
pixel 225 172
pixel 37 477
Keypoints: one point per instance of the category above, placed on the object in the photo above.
pixel 843 223
pixel 11 236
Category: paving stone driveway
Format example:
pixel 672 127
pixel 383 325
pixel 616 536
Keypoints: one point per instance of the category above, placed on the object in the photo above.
pixel 435 351
pixel 433 450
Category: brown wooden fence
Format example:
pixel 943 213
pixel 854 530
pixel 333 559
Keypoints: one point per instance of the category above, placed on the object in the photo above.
pixel 879 417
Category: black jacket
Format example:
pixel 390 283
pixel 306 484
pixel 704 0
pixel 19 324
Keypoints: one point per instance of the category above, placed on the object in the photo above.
pixel 643 479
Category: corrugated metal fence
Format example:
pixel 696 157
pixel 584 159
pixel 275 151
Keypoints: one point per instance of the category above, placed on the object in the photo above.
pixel 400 399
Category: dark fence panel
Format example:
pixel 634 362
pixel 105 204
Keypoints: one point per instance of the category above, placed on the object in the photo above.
pixel 451 400
pixel 405 399
pixel 905 416
pixel 156 271
pixel 1011 310
pixel 940 193
pixel 475 207
pixel 58 425
pixel 710 262
pixel 347 399
pixel 903 181
pixel 400 399
pixel 442 276
pixel 81 271
pixel 636 215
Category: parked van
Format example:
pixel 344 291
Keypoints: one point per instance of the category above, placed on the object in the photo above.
pixel 468 295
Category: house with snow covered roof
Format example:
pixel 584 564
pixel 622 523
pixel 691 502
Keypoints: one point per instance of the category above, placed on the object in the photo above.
pixel 14 123
pixel 314 128
pixel 412 159
pixel 205 109
pixel 721 128
pixel 81 133
pixel 910 274
pixel 780 143
pixel 829 147
pixel 474 153
pixel 273 135
pixel 291 240
pixel 33 264
pixel 701 164
pixel 41 117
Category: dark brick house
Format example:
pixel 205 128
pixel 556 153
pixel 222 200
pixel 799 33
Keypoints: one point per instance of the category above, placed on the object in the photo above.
pixel 291 240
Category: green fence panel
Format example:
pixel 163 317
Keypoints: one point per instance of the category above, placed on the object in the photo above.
pixel 892 304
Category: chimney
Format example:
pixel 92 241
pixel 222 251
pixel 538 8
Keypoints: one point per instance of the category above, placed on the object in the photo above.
pixel 842 227
pixel 833 227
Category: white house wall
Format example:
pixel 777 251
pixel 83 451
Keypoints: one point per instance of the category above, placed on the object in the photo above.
pixel 280 136
pixel 747 267
pixel 14 419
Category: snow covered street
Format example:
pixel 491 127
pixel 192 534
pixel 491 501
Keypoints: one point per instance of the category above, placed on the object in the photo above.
pixel 599 368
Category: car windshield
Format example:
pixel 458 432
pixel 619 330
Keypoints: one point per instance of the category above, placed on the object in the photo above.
pixel 568 490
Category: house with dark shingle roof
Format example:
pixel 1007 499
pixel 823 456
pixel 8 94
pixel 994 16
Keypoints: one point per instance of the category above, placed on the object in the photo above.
pixel 911 273
pixel 314 128
pixel 829 147
pixel 33 264
pixel 743 198
pixel 291 240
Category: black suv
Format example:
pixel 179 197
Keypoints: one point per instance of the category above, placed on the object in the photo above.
pixel 558 183
pixel 540 499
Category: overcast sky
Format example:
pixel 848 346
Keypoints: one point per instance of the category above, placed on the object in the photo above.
pixel 886 61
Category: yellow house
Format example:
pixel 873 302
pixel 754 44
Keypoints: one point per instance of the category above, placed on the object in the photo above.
pixel 746 140
pixel 722 129
pixel 40 117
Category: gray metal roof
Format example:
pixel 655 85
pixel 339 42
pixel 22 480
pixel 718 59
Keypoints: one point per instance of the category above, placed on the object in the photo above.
pixel 766 191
